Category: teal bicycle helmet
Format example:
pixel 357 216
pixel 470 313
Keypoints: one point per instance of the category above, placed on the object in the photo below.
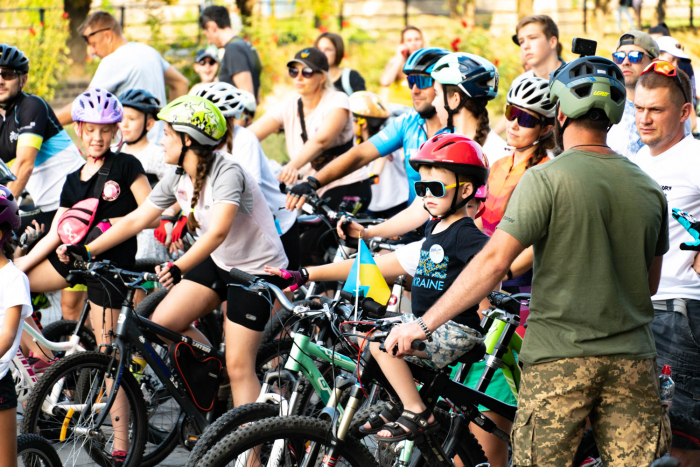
pixel 422 61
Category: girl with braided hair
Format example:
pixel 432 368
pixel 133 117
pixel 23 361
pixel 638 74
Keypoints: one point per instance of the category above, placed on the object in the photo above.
pixel 235 229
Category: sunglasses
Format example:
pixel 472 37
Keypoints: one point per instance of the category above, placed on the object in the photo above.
pixel 665 68
pixel 9 75
pixel 420 81
pixel 305 72
pixel 635 56
pixel 437 189
pixel 525 119
pixel 88 36
pixel 208 62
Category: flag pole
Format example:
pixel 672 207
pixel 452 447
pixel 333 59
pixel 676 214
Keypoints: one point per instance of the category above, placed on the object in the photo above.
pixel 357 283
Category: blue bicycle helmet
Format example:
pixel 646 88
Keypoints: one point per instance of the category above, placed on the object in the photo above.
pixel 422 61
pixel 474 75
pixel 140 100
pixel 13 58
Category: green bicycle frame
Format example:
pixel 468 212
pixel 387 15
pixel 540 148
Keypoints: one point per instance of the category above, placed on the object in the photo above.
pixel 301 358
pixel 510 367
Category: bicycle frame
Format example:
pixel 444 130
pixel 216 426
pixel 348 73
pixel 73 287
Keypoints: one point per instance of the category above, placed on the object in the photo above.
pixel 495 336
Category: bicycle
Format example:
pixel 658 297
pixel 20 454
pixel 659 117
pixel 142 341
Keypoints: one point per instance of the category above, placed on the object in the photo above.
pixel 72 402
pixel 35 451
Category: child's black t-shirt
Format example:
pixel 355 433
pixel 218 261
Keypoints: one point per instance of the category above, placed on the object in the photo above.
pixel 117 200
pixel 442 258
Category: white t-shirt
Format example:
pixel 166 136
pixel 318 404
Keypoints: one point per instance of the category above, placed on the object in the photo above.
pixel 392 188
pixel 253 241
pixel 409 256
pixel 287 114
pixel 134 66
pixel 14 291
pixel 678 172
pixel 152 159
pixel 248 152
pixel 495 148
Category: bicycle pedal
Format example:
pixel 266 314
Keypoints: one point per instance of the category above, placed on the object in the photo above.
pixel 190 442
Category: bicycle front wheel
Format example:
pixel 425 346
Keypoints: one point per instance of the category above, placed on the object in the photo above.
pixel 35 451
pixel 285 441
pixel 66 402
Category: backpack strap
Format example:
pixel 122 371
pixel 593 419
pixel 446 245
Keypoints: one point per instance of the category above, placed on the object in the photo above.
pixel 103 173
pixel 345 81
pixel 300 110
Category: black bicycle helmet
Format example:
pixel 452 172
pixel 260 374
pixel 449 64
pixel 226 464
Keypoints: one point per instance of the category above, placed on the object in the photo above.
pixel 13 58
pixel 140 100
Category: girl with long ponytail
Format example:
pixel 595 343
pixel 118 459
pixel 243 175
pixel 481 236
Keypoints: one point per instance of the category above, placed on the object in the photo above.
pixel 235 229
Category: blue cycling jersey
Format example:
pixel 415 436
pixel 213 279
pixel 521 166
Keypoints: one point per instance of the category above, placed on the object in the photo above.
pixel 407 131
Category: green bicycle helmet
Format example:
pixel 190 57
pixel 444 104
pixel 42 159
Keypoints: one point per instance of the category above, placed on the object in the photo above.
pixel 197 117
pixel 589 83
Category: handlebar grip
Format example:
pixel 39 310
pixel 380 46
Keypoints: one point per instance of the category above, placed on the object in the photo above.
pixel 242 276
pixel 79 264
pixel 374 309
pixel 151 277
pixel 417 344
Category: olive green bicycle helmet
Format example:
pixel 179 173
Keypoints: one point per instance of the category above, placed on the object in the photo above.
pixel 589 83
pixel 197 117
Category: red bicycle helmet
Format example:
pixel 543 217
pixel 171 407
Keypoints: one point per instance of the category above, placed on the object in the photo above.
pixel 456 153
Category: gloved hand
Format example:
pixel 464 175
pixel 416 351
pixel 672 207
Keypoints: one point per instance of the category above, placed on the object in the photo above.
pixel 300 277
pixel 79 252
pixel 164 230
pixel 179 229
pixel 302 189
pixel 691 225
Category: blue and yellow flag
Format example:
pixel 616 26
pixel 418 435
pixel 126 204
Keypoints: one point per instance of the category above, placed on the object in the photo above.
pixel 372 283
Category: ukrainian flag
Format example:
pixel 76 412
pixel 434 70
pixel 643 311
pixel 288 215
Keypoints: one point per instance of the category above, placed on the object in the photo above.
pixel 371 282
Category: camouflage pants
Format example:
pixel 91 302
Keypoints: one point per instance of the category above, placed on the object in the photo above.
pixel 621 397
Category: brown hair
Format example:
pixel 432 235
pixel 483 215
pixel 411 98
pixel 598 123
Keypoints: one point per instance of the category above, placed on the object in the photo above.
pixel 204 163
pixel 545 144
pixel 100 20
pixel 227 140
pixel 654 80
pixel 549 27
pixel 338 45
pixel 410 28
pixel 477 107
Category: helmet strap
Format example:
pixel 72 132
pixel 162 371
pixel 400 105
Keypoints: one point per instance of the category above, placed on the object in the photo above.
pixel 180 170
pixel 144 131
pixel 456 205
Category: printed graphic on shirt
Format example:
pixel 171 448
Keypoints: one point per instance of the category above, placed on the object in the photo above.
pixel 111 191
pixel 429 274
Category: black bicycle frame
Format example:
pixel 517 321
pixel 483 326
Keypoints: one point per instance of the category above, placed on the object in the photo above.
pixel 136 331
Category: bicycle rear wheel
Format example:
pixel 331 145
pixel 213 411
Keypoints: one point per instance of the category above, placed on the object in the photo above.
pixel 35 451
pixel 283 441
pixel 62 331
pixel 685 445
pixel 74 381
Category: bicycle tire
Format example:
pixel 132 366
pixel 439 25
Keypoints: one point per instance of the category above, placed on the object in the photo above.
pixel 288 428
pixel 62 330
pixel 149 304
pixel 685 444
pixel 36 421
pixel 468 448
pixel 228 423
pixel 35 451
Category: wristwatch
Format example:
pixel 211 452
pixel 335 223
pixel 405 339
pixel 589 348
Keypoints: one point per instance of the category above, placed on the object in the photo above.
pixel 313 182
pixel 428 334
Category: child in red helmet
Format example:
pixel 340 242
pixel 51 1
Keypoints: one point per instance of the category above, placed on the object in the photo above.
pixel 452 169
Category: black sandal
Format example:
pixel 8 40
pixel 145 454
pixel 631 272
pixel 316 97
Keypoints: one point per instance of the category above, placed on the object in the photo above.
pixel 390 413
pixel 416 424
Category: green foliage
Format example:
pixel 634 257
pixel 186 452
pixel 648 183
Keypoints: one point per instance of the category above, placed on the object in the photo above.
pixel 44 44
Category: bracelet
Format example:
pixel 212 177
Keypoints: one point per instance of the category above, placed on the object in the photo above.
pixel 88 252
pixel 428 334
pixel 313 182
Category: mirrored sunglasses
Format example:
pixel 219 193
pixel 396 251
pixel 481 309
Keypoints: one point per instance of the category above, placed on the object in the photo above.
pixel 420 81
pixel 525 119
pixel 437 189
pixel 634 56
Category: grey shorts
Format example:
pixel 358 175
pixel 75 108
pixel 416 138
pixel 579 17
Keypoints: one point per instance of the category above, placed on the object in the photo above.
pixel 450 341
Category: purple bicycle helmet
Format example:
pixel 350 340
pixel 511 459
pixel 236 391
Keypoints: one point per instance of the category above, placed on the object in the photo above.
pixel 96 106
pixel 9 212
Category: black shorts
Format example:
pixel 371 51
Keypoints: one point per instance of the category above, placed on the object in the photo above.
pixel 291 241
pixel 8 396
pixel 101 293
pixel 248 310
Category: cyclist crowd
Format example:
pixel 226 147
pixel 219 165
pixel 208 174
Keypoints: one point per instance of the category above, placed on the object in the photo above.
pixel 587 203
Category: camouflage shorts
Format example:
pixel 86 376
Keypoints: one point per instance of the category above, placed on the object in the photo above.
pixel 620 395
pixel 450 341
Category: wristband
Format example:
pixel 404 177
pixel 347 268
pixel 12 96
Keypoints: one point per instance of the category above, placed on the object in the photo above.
pixel 300 277
pixel 313 182
pixel 88 252
pixel 428 334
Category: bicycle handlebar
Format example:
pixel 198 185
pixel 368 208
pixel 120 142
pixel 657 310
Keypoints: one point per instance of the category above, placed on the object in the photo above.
pixel 314 204
pixel 250 280
pixel 101 268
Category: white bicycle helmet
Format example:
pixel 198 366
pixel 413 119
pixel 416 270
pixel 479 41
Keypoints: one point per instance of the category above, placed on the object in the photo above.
pixel 230 100
pixel 532 94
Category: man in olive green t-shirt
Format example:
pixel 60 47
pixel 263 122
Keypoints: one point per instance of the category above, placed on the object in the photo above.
pixel 599 228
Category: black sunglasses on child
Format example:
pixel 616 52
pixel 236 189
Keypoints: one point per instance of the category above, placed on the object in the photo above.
pixel 305 72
